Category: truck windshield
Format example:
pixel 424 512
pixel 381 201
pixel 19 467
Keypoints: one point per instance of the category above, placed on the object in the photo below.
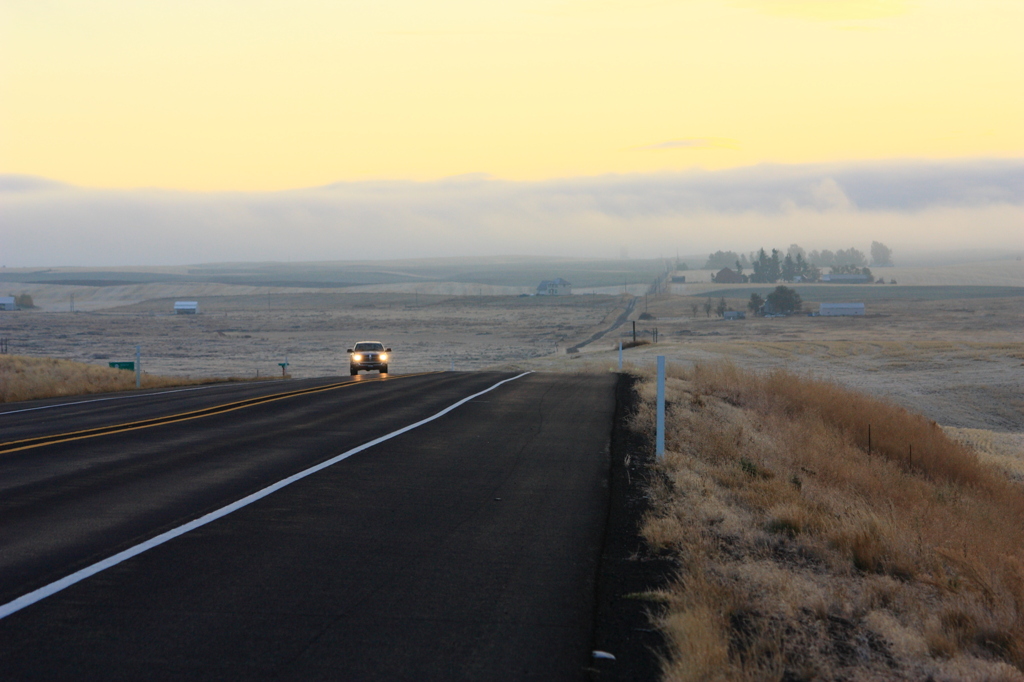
pixel 369 346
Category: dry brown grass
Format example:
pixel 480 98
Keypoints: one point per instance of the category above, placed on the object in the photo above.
pixel 28 378
pixel 801 556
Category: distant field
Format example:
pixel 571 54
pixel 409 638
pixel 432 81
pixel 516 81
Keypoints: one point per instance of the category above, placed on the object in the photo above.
pixel 94 289
pixel 511 272
pixel 829 293
pixel 242 335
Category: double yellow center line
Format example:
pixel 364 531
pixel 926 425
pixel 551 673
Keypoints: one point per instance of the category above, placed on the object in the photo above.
pixel 40 441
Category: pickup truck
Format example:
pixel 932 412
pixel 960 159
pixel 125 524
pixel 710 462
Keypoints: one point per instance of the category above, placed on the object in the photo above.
pixel 368 355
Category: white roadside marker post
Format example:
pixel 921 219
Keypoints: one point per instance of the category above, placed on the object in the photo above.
pixel 660 438
pixel 620 355
pixel 138 366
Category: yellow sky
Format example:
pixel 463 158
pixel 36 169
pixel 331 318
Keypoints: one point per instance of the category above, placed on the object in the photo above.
pixel 258 95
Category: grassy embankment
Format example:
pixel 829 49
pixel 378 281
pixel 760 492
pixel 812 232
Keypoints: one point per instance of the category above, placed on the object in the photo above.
pixel 802 556
pixel 28 378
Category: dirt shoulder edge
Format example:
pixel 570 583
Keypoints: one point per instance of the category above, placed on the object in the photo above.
pixel 622 622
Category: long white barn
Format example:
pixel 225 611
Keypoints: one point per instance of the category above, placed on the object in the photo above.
pixel 837 309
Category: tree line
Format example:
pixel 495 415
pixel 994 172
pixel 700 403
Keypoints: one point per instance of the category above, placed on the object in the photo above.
pixel 796 264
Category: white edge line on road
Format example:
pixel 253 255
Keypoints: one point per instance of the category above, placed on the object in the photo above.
pixel 122 397
pixel 89 571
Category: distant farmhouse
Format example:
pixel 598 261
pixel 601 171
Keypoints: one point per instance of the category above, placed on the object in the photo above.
pixel 7 303
pixel 727 276
pixel 554 287
pixel 186 307
pixel 837 309
pixel 847 279
pixel 734 315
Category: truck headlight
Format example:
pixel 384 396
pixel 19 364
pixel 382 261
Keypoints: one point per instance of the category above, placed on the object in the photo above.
pixel 383 357
pixel 357 358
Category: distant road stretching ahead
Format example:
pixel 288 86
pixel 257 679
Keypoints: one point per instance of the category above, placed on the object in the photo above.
pixel 465 548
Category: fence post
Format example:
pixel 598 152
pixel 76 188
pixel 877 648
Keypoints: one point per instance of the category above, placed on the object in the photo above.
pixel 660 438
pixel 620 355
pixel 138 366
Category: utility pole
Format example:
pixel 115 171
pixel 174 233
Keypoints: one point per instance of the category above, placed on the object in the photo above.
pixel 138 366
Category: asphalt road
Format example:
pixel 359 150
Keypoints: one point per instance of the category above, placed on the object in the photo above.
pixel 463 549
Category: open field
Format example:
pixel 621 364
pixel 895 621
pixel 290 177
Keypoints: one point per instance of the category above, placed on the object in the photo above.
pixel 868 293
pixel 98 288
pixel 240 335
pixel 957 361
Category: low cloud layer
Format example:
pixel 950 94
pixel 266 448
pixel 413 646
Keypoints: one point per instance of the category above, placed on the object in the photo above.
pixel 917 206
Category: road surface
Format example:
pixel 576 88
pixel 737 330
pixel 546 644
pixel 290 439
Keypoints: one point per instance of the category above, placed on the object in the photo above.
pixel 465 548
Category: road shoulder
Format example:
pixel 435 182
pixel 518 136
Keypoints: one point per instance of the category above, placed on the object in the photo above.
pixel 623 625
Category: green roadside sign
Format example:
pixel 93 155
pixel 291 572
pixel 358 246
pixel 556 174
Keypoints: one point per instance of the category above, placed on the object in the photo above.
pixel 123 365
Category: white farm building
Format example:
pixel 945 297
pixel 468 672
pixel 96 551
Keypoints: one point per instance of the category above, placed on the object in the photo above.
pixel 837 309
pixel 7 303
pixel 186 307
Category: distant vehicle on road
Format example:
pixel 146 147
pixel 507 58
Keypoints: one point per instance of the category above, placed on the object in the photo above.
pixel 368 355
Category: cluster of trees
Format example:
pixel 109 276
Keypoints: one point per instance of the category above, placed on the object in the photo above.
pixel 774 268
pixel 24 301
pixel 843 258
pixel 781 301
pixel 726 259
pixel 796 263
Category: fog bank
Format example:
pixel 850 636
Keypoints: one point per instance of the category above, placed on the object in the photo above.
pixel 911 206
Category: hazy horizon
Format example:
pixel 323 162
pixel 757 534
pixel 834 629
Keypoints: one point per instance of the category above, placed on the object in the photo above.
pixel 910 206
